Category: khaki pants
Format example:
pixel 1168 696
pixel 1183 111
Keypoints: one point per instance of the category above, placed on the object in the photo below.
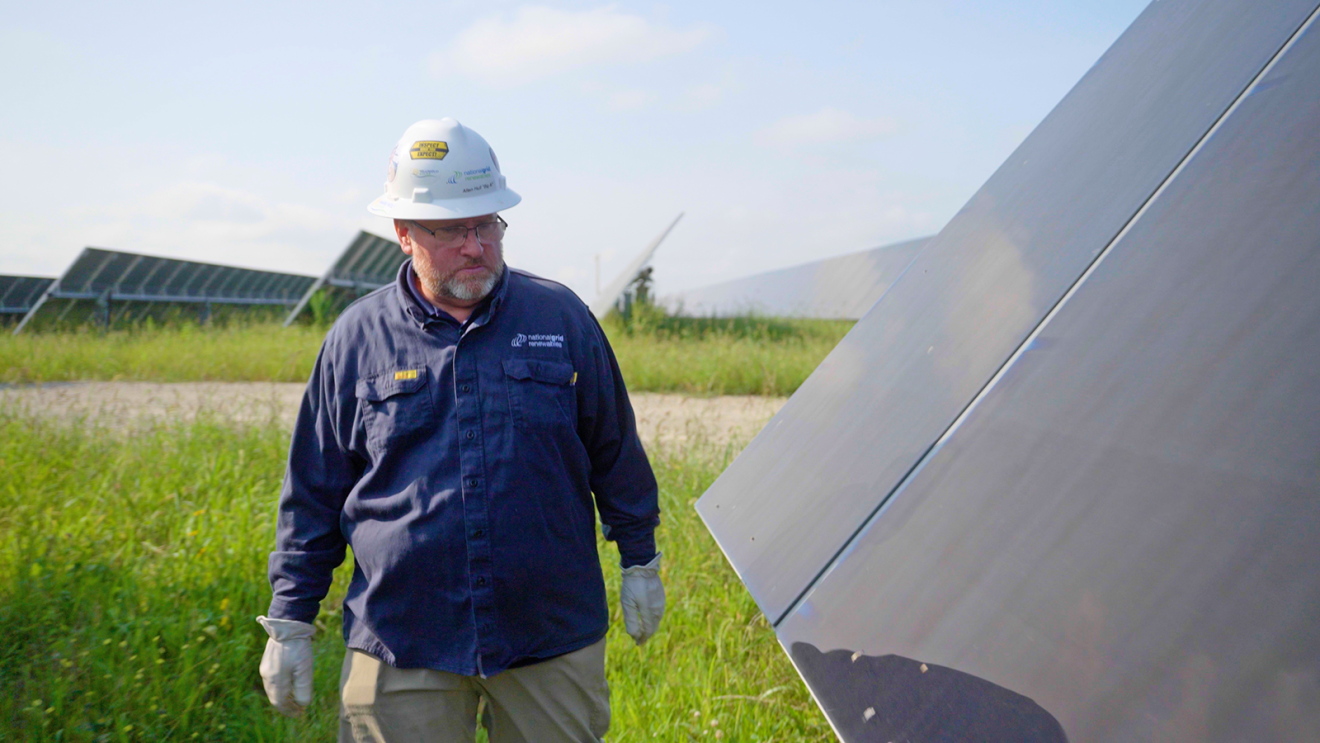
pixel 561 699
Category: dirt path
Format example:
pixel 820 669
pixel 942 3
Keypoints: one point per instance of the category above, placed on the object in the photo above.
pixel 661 418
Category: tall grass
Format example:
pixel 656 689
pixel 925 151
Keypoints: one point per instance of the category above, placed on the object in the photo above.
pixel 738 356
pixel 183 353
pixel 131 570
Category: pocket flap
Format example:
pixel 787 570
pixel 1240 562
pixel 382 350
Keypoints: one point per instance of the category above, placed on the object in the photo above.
pixel 550 372
pixel 389 384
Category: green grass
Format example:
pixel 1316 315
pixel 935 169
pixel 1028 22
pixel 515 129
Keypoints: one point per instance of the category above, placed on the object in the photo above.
pixel 131 569
pixel 740 356
pixel 186 353
pixel 734 356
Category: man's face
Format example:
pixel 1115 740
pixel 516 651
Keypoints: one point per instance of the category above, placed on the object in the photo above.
pixel 462 274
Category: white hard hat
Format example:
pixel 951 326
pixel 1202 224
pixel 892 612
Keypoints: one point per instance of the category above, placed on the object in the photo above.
pixel 442 170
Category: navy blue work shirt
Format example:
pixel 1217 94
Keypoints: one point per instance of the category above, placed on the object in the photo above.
pixel 459 462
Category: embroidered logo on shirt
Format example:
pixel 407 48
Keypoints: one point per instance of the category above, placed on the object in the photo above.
pixel 406 374
pixel 539 340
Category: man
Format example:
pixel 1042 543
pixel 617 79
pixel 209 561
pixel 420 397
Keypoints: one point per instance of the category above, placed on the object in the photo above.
pixel 453 432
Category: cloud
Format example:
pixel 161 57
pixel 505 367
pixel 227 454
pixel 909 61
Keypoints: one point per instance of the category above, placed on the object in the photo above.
pixel 627 100
pixel 706 95
pixel 205 221
pixel 826 125
pixel 538 42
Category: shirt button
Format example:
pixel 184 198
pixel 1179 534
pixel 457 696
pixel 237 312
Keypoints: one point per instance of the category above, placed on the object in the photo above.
pixel 481 581
pixel 472 482
pixel 467 388
pixel 477 534
pixel 471 434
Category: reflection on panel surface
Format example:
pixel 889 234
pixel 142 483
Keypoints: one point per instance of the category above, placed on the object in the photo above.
pixel 797 494
pixel 841 288
pixel 1123 530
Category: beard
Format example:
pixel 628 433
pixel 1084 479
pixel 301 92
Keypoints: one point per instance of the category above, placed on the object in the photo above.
pixel 450 286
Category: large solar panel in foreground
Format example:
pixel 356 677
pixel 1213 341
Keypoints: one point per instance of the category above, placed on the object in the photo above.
pixel 840 288
pixel 19 293
pixel 368 263
pixel 112 276
pixel 1062 481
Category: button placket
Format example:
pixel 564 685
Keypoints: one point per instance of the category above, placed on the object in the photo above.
pixel 475 513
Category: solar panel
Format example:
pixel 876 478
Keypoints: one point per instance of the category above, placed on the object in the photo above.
pixel 1119 535
pixel 840 288
pixel 19 293
pixel 802 489
pixel 368 263
pixel 112 276
pixel 613 293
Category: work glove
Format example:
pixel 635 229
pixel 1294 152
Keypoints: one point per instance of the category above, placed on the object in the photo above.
pixel 643 599
pixel 286 666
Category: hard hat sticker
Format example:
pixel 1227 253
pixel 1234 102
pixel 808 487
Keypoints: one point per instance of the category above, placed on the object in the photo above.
pixel 429 150
pixel 408 374
pixel 394 164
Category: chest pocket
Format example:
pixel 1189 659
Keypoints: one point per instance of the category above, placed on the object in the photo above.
pixel 541 393
pixel 395 410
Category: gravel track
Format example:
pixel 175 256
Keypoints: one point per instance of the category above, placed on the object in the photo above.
pixel 662 419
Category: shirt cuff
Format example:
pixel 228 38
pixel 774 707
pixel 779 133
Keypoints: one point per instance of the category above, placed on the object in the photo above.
pixel 300 611
pixel 637 550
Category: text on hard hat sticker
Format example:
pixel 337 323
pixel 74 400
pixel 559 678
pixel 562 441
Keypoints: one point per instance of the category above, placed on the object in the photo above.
pixel 429 150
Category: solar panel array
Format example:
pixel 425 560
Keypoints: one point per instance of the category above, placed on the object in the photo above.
pixel 1060 483
pixel 115 276
pixel 19 293
pixel 368 263
pixel 840 288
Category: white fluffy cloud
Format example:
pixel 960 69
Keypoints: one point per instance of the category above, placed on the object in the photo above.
pixel 537 42
pixel 826 125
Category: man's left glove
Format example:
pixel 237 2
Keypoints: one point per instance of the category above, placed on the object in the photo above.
pixel 643 599
pixel 286 666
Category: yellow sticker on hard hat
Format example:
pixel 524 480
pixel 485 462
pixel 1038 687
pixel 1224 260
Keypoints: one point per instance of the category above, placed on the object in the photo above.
pixel 408 374
pixel 429 150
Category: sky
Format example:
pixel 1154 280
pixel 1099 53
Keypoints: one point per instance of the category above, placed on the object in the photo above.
pixel 255 133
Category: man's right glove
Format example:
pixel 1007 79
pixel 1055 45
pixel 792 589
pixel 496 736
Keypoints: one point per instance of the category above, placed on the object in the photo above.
pixel 643 599
pixel 286 666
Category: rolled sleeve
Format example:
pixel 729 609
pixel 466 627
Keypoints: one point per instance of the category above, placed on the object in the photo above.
pixel 309 543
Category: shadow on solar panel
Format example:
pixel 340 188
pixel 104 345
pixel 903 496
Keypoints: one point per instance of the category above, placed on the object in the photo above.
pixel 110 288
